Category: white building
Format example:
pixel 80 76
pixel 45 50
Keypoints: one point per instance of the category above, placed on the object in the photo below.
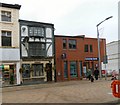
pixel 9 43
pixel 113 56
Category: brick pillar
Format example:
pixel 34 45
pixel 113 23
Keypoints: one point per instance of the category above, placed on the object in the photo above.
pixel 68 70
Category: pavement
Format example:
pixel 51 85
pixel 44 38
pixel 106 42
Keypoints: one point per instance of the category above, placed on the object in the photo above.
pixel 77 91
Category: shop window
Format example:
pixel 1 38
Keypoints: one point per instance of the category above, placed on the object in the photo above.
pixel 72 44
pixel 8 74
pixel 64 44
pixel 86 48
pixel 65 69
pixel 73 69
pixel 38 70
pixel 6 38
pixel 6 16
pixel 26 70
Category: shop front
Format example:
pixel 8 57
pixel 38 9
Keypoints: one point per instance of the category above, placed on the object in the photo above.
pixel 37 72
pixel 90 63
pixel 8 74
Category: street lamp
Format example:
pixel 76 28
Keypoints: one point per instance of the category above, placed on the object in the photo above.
pixel 99 60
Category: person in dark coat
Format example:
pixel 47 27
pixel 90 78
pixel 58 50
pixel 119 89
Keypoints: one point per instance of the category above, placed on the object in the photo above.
pixel 88 75
pixel 92 78
pixel 96 74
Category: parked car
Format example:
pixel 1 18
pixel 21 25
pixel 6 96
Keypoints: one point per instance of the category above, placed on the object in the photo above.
pixel 112 72
pixel 107 72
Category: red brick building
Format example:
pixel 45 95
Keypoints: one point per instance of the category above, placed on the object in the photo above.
pixel 74 55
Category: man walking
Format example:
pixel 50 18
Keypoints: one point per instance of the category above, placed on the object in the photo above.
pixel 96 73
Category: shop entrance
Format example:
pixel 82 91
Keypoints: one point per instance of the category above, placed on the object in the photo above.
pixel 49 71
pixel 89 65
pixel 8 74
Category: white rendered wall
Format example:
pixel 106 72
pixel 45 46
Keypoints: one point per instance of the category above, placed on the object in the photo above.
pixel 113 56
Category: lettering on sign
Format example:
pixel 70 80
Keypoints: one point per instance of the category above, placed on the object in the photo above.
pixel 91 59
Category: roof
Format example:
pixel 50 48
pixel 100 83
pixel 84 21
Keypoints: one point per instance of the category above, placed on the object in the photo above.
pixel 113 42
pixel 34 22
pixel 78 36
pixel 14 6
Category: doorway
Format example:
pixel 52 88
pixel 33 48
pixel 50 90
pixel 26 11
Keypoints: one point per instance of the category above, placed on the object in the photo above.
pixel 49 71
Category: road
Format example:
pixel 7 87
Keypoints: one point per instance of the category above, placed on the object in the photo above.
pixel 82 91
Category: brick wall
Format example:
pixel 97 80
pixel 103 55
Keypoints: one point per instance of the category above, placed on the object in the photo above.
pixel 77 54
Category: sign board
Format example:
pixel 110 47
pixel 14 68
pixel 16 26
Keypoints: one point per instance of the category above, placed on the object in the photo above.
pixel 91 59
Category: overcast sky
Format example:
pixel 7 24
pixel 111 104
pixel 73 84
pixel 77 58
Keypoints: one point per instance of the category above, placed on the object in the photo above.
pixel 73 17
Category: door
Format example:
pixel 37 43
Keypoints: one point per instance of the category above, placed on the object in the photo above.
pixel 49 71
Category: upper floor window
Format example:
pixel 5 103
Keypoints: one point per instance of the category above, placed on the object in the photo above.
pixel 36 31
pixel 36 49
pixel 72 44
pixel 6 16
pixel 91 48
pixel 6 38
pixel 86 48
pixel 64 44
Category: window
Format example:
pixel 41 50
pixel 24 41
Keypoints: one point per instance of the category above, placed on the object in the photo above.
pixel 26 70
pixel 65 69
pixel 86 48
pixel 38 70
pixel 36 31
pixel 81 71
pixel 72 44
pixel 64 44
pixel 36 49
pixel 6 38
pixel 91 48
pixel 6 16
pixel 73 69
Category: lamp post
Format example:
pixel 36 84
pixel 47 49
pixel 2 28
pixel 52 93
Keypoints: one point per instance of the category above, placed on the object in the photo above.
pixel 99 59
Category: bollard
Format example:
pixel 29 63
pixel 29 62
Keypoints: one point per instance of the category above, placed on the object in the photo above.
pixel 115 85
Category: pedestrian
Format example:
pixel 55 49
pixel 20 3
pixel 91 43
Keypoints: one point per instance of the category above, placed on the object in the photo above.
pixel 114 75
pixel 88 74
pixel 11 77
pixel 92 78
pixel 96 73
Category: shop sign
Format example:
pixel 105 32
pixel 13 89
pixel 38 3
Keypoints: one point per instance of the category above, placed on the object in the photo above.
pixel 91 59
pixel 4 67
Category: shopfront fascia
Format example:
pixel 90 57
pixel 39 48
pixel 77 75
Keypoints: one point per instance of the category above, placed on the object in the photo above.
pixel 37 71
